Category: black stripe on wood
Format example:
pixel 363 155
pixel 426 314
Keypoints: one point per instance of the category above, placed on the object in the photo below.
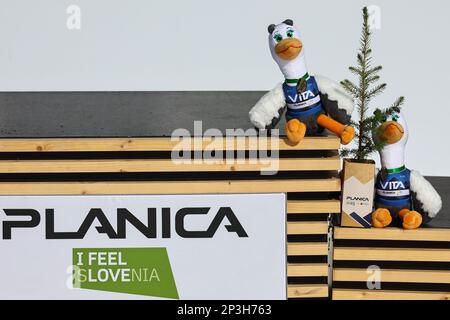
pixel 307 280
pixel 362 243
pixel 102 155
pixel 307 238
pixel 404 286
pixel 409 265
pixel 313 196
pixel 160 176
pixel 304 217
pixel 307 259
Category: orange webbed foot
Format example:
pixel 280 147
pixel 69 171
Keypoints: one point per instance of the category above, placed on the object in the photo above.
pixel 381 218
pixel 347 135
pixel 295 131
pixel 412 220
pixel 402 213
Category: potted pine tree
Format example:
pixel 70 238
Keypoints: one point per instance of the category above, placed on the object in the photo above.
pixel 359 169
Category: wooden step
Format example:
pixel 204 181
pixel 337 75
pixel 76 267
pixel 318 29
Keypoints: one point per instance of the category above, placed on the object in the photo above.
pixel 170 187
pixel 313 206
pixel 307 291
pixel 307 270
pixel 299 228
pixel 351 294
pixel 395 234
pixel 167 165
pixel 308 249
pixel 391 254
pixel 160 144
pixel 393 275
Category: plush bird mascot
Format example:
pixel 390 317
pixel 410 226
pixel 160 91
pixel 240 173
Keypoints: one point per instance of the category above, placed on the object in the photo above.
pixel 313 103
pixel 402 196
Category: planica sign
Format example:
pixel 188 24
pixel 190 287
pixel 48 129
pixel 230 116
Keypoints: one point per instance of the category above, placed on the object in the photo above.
pixel 143 247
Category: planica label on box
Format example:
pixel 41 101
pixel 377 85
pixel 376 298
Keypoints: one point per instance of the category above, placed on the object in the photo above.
pixel 358 194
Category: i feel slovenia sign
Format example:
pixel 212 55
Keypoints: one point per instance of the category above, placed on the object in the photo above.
pixel 141 247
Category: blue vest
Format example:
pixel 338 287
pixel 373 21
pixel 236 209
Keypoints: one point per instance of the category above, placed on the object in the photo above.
pixel 302 104
pixel 393 189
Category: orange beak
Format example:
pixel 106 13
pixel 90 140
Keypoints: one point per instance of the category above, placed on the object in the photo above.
pixel 288 49
pixel 391 132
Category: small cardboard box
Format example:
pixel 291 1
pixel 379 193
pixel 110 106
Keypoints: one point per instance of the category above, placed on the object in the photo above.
pixel 358 193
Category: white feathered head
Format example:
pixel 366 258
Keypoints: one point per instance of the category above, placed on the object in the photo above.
pixel 284 42
pixel 287 49
pixel 393 129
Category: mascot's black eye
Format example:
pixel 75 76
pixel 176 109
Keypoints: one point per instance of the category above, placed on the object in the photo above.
pixel 290 33
pixel 278 37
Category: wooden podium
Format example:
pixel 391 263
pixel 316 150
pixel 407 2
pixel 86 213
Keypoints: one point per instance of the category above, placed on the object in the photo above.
pixel 308 173
pixel 414 264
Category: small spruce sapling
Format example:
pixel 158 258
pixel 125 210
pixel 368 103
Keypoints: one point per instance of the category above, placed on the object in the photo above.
pixel 363 93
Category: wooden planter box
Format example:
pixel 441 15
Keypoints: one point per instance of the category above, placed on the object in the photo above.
pixel 414 264
pixel 99 166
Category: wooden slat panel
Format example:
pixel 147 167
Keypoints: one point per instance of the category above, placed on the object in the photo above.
pixel 307 228
pixel 157 144
pixel 313 206
pixel 170 187
pixel 391 254
pixel 350 294
pixel 392 234
pixel 308 249
pixel 164 165
pixel 307 291
pixel 307 270
pixel 388 275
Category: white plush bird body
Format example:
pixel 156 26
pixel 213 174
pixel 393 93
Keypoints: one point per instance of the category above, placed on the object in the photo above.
pixel 404 193
pixel 312 103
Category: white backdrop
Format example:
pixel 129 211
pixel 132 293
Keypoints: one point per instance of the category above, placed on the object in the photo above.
pixel 221 45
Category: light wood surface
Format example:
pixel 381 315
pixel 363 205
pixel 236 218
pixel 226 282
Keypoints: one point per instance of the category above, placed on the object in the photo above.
pixel 313 227
pixel 167 165
pixel 170 187
pixel 423 234
pixel 308 249
pixel 307 291
pixel 161 144
pixel 307 270
pixel 313 206
pixel 394 275
pixel 392 254
pixel 351 294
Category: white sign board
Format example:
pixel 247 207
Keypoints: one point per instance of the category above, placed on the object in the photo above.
pixel 143 247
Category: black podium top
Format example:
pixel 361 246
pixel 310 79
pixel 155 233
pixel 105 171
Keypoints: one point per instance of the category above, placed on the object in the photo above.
pixel 120 114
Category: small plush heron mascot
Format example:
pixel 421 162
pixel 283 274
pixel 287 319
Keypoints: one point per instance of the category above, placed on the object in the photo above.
pixel 313 103
pixel 402 196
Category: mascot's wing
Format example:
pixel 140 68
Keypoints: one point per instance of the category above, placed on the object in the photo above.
pixel 425 198
pixel 268 110
pixel 337 103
